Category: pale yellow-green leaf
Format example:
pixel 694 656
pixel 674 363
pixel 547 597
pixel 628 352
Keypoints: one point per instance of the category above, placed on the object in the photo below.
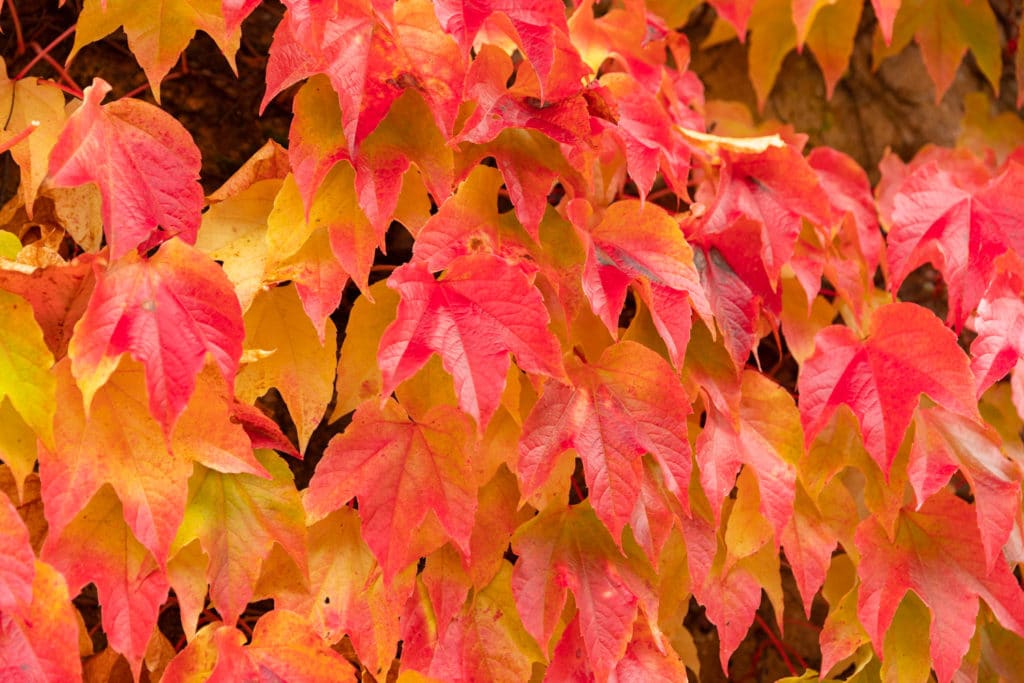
pixel 905 656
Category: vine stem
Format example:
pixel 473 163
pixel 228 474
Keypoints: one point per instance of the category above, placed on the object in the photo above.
pixel 780 647
pixel 18 35
pixel 45 51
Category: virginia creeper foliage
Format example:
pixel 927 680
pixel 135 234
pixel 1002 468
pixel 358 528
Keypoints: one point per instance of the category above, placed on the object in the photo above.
pixel 555 432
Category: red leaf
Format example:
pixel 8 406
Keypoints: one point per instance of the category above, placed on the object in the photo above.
pixel 168 312
pixel 98 547
pixel 960 220
pixel 999 322
pixel 908 351
pixel 17 561
pixel 534 24
pixel 944 443
pixel 144 162
pixel 263 432
pixel 938 554
pixel 774 188
pixel 571 550
pixel 400 470
pixel 637 241
pixel 479 312
pixel 627 404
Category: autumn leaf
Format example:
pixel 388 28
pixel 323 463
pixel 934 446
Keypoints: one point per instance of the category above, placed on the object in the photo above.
pixel 299 367
pixel 157 34
pixel 622 406
pixel 24 366
pixel 347 594
pixel 237 517
pixel 121 444
pixel 960 220
pixel 168 312
pixel 907 352
pixel 98 547
pixel 999 322
pixel 937 553
pixel 569 549
pixel 481 310
pixel 283 645
pixel 400 470
pixel 144 162
pixel 533 25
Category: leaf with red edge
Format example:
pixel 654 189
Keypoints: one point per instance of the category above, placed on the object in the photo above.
pixel 284 647
pixel 347 594
pixel 237 518
pixel 17 561
pixel 626 404
pixel 766 436
pixel 808 542
pixel 774 187
pixel 262 431
pixel 481 310
pixel 937 553
pixel 369 60
pixel 640 241
pixel 98 547
pixel 486 640
pixel 999 322
pixel 144 162
pixel 566 121
pixel 168 312
pixel 960 220
pixel 533 24
pixel 215 654
pixel 158 32
pixel 35 634
pixel 400 470
pixel 907 352
pixel 944 443
pixel 58 294
pixel 299 367
pixel 569 549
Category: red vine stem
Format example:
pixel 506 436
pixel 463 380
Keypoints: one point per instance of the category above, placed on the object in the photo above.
pixel 18 35
pixel 45 51
pixel 59 68
pixel 780 647
pixel 60 86
pixel 11 142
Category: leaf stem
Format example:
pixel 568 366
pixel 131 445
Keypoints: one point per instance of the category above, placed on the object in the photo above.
pixel 45 51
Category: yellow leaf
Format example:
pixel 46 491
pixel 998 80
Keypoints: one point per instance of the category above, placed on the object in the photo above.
pixel 25 363
pixel 234 232
pixel 157 31
pixel 358 373
pixel 905 656
pixel 301 368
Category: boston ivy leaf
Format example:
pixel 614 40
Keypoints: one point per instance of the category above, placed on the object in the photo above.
pixel 765 436
pixel 98 547
pixel 24 366
pixel 626 404
pixel 944 443
pixel 400 470
pixel 168 312
pixel 907 352
pixel 347 594
pixel 144 162
pixel 284 646
pixel 300 367
pixel 237 518
pixel 641 242
pixel 999 322
pixel 937 553
pixel 17 561
pixel 570 549
pixel 959 219
pixel 481 310
pixel 534 24
pixel 216 653
pixel 486 640
pixel 157 33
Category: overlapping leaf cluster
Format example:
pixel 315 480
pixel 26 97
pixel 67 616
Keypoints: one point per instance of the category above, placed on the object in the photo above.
pixel 558 430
